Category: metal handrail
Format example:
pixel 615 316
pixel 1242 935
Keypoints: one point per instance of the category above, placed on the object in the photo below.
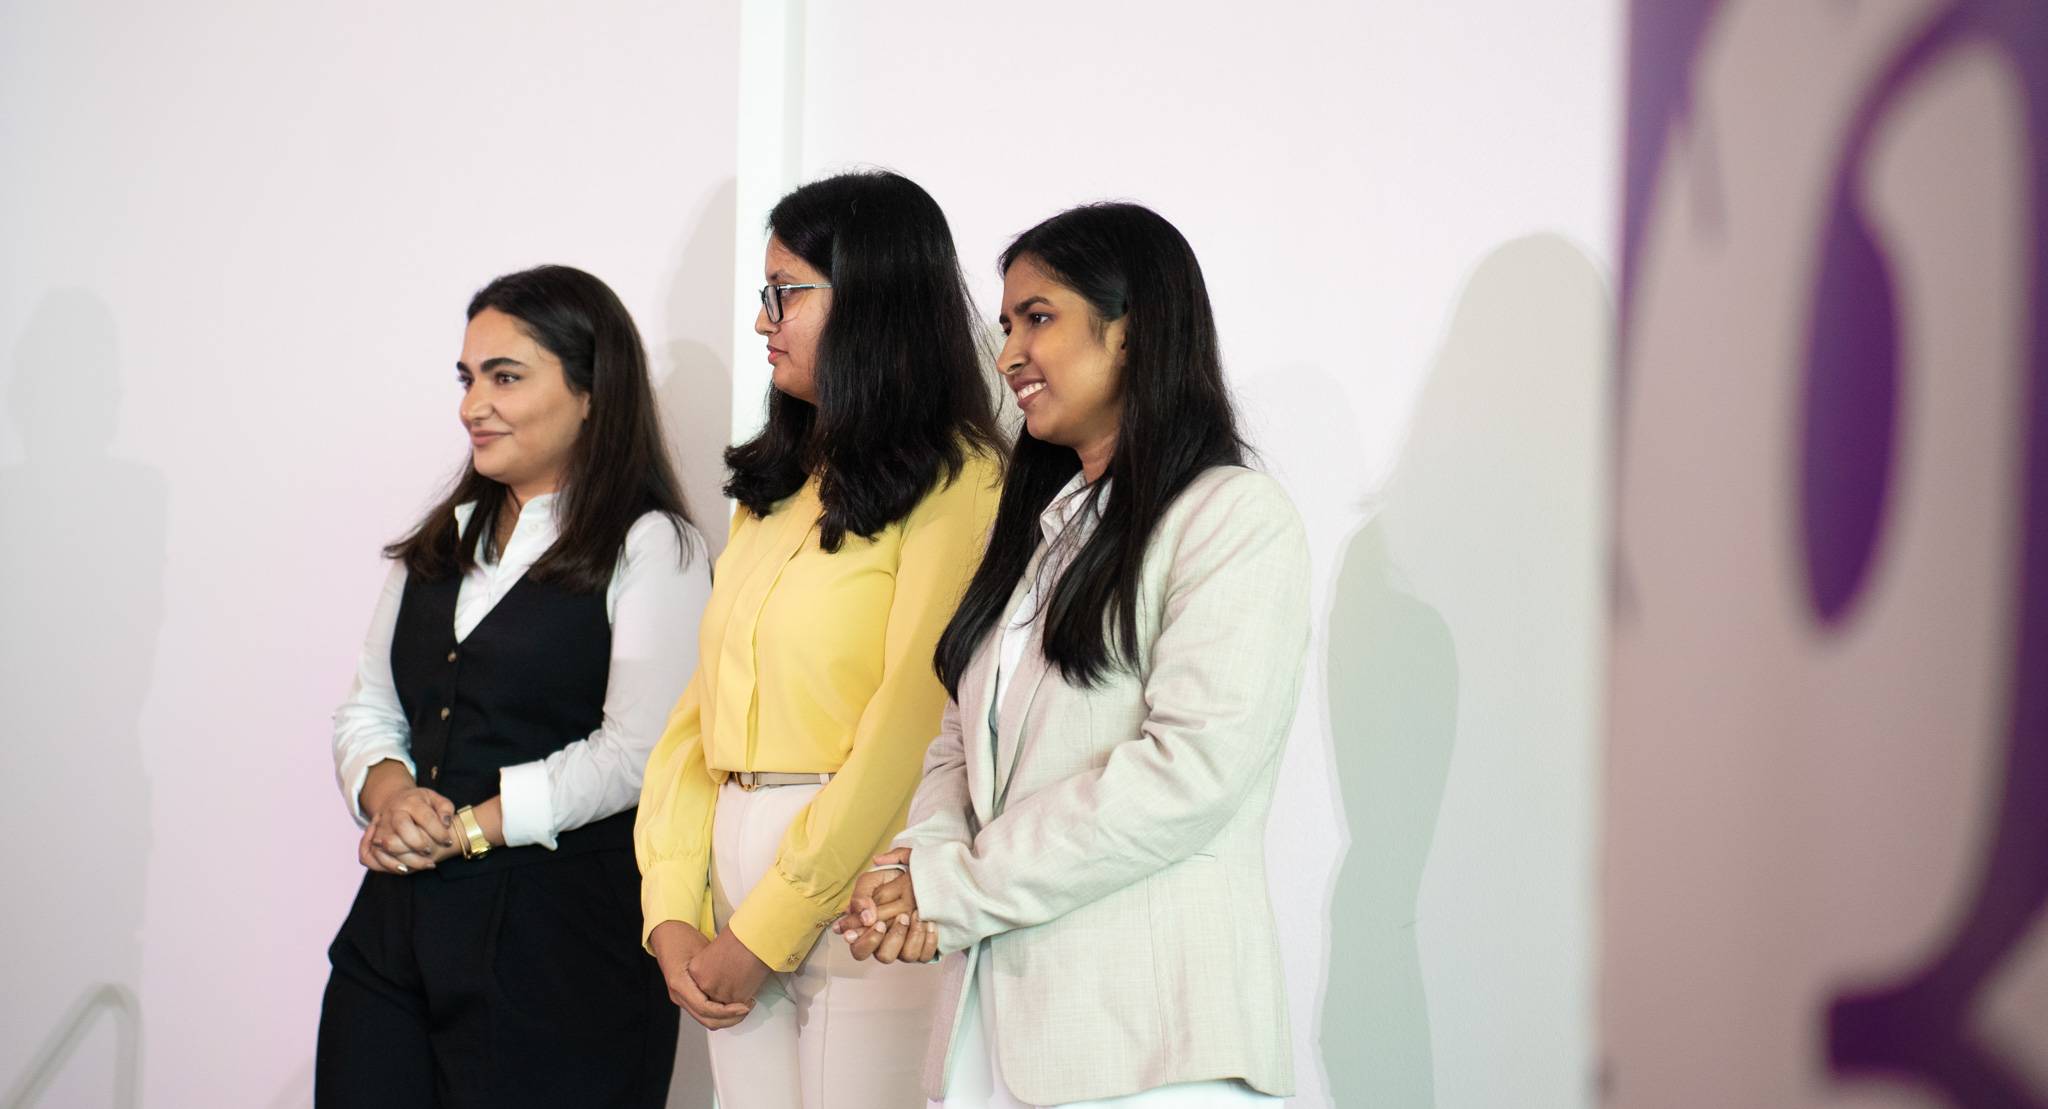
pixel 70 1032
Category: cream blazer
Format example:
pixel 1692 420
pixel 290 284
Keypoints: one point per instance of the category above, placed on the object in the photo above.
pixel 1122 881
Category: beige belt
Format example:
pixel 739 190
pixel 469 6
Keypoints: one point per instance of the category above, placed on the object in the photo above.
pixel 751 780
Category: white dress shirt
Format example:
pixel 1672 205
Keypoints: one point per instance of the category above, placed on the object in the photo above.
pixel 654 602
pixel 975 1073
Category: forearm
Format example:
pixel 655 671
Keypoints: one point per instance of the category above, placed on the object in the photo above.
pixel 385 780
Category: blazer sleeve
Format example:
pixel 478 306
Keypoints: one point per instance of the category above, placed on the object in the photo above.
pixel 835 837
pixel 1220 695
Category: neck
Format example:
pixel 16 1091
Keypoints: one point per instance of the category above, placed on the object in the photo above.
pixel 1095 458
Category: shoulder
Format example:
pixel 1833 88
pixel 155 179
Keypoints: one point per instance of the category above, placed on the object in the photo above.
pixel 974 490
pixel 657 538
pixel 1232 498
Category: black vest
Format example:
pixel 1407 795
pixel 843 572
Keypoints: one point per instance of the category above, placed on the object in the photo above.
pixel 528 681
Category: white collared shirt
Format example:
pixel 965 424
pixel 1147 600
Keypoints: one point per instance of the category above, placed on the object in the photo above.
pixel 654 602
pixel 1063 539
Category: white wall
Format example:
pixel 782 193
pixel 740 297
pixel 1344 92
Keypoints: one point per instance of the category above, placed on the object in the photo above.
pixel 1406 215
pixel 238 242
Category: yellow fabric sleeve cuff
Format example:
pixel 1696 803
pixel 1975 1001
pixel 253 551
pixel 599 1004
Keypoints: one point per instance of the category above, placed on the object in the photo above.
pixel 779 923
pixel 674 891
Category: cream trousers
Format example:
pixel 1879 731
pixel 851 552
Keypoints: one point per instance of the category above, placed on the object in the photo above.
pixel 831 1034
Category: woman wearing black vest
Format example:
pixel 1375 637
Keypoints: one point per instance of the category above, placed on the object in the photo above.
pixel 532 634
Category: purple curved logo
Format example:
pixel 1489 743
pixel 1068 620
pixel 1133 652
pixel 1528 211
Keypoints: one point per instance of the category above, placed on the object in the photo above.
pixel 1918 1024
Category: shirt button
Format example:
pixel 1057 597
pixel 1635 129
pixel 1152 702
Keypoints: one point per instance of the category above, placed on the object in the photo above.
pixel 444 714
pixel 451 656
pixel 434 775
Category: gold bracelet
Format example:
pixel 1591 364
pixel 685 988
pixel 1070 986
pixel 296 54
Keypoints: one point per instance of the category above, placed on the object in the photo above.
pixel 474 845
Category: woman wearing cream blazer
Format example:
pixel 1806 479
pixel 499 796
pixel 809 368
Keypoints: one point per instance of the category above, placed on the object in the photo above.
pixel 1087 844
pixel 791 757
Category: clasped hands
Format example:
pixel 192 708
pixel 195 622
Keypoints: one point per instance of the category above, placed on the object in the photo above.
pixel 411 828
pixel 715 980
pixel 881 920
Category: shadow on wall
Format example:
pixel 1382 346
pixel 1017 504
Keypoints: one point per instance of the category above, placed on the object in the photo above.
pixel 82 556
pixel 1456 623
pixel 696 395
pixel 696 412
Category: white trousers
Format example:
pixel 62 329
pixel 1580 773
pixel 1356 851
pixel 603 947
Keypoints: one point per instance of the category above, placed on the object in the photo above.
pixel 975 1075
pixel 832 1034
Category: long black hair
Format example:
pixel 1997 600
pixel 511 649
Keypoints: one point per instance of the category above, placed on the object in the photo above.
pixel 618 468
pixel 901 393
pixel 1175 421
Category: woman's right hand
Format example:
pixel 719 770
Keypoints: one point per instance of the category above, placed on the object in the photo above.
pixel 674 944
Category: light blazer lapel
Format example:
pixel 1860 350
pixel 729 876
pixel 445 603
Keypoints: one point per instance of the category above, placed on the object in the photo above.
pixel 1023 686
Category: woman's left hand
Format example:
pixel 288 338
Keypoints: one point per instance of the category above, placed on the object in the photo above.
pixel 726 971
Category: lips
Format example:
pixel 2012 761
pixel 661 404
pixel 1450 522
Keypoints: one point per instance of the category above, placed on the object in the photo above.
pixel 775 352
pixel 484 438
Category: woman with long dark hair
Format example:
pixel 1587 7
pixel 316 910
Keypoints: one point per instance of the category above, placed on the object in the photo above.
pixel 863 506
pixel 519 667
pixel 1088 842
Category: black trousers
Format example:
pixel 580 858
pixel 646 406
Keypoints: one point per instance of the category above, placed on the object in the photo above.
pixel 524 986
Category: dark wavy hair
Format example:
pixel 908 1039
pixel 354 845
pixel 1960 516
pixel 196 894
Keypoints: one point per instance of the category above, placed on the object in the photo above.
pixel 901 393
pixel 1175 421
pixel 618 468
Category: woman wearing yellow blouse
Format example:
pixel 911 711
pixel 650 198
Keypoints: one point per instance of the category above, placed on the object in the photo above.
pixel 791 758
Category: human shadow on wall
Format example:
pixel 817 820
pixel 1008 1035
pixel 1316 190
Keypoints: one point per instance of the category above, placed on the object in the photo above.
pixel 1392 687
pixel 1464 612
pixel 696 412
pixel 82 558
pixel 696 394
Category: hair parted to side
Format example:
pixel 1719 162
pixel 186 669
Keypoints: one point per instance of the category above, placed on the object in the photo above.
pixel 619 467
pixel 901 394
pixel 1175 420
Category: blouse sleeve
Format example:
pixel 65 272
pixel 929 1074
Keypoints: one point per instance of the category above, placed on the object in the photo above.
pixel 672 832
pixel 370 726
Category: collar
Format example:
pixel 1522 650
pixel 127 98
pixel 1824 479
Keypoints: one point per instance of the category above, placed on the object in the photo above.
pixel 1066 505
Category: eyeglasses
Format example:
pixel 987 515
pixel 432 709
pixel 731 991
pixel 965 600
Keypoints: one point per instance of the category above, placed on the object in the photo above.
pixel 771 297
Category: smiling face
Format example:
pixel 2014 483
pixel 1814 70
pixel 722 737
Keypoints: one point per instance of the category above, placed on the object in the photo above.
pixel 1063 364
pixel 517 406
pixel 793 343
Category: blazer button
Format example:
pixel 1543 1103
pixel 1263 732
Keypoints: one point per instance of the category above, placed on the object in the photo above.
pixel 434 775
pixel 451 656
pixel 444 714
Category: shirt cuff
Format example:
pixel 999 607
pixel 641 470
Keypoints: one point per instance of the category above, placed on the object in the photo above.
pixel 778 923
pixel 526 804
pixel 357 770
pixel 670 891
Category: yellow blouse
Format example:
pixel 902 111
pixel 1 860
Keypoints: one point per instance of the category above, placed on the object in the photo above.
pixel 809 662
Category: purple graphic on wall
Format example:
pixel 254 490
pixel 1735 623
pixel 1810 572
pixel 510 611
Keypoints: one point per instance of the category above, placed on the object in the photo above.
pixel 1916 1026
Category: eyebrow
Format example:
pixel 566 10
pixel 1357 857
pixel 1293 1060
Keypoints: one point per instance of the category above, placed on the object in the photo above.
pixel 1024 305
pixel 491 364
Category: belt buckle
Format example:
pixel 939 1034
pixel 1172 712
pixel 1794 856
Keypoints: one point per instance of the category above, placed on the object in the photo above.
pixel 746 782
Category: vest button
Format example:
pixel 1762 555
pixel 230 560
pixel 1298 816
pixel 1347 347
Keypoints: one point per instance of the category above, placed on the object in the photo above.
pixel 444 714
pixel 451 656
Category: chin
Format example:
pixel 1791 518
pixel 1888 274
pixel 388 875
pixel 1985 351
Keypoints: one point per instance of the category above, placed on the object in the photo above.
pixel 785 381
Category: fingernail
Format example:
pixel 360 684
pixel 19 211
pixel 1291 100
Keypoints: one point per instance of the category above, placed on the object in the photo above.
pixel 881 927
pixel 867 916
pixel 903 918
